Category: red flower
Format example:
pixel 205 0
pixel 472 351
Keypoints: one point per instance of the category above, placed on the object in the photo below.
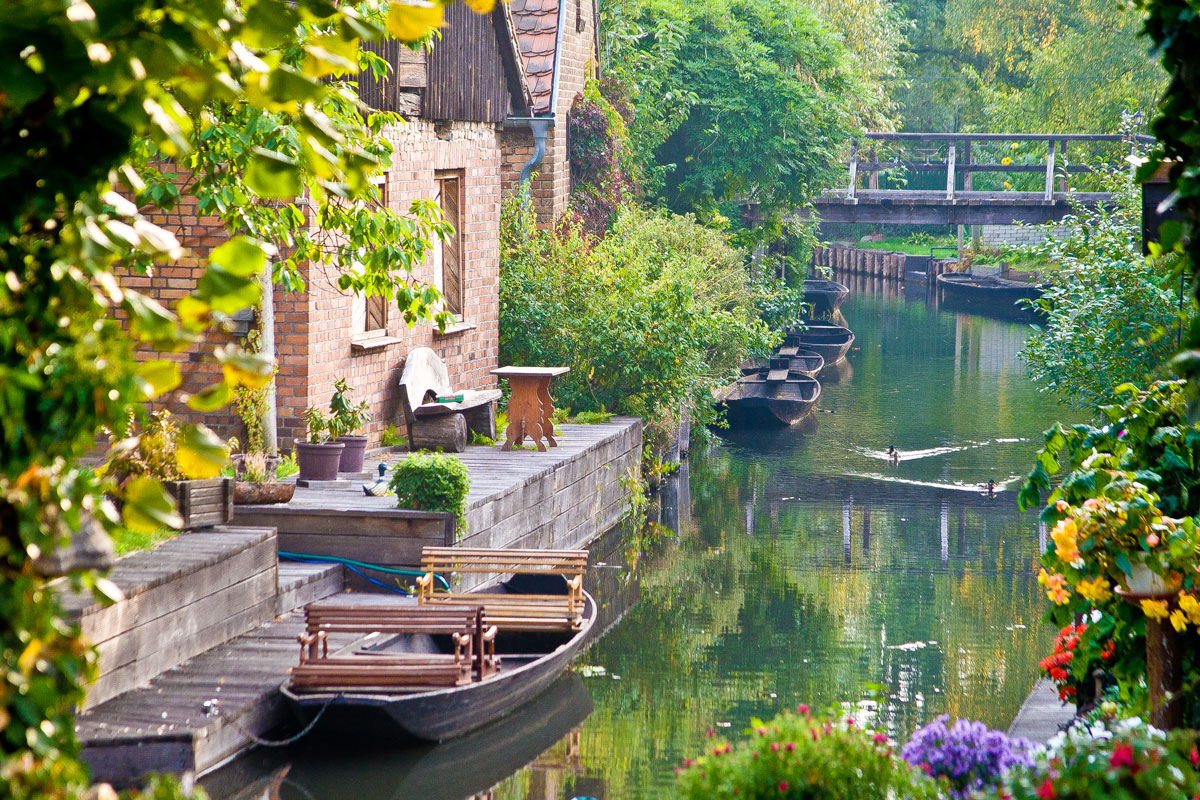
pixel 1122 756
pixel 849 720
pixel 774 746
pixel 1195 757
pixel 928 769
pixel 880 738
pixel 790 746
pixel 1046 790
pixel 783 786
pixel 802 708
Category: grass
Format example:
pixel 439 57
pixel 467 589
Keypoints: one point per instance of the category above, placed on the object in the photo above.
pixel 126 541
pixel 913 245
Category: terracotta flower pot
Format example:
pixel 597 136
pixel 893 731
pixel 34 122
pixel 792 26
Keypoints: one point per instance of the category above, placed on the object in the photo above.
pixel 319 462
pixel 352 456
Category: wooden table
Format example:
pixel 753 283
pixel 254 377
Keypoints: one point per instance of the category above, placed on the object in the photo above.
pixel 530 406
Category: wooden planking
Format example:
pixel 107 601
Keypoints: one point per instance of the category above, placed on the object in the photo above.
pixel 467 78
pixel 399 91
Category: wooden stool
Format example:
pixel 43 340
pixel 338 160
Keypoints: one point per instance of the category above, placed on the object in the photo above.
pixel 530 407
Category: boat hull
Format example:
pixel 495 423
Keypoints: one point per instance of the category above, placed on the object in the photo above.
pixel 827 340
pixel 986 289
pixel 754 403
pixel 824 296
pixel 807 365
pixel 441 714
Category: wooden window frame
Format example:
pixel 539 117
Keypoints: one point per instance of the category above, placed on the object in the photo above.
pixel 375 307
pixel 454 301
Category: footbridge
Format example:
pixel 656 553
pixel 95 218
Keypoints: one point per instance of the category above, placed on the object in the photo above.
pixel 972 178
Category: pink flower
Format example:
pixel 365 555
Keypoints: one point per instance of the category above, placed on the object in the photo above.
pixel 761 731
pixel 728 748
pixel 756 756
pixel 802 708
pixel 711 733
pixel 1046 790
pixel 880 738
pixel 783 786
pixel 926 768
pixel 1152 540
pixel 790 746
pixel 687 762
pixel 849 720
pixel 774 746
pixel 813 731
pixel 1122 756
pixel 1195 757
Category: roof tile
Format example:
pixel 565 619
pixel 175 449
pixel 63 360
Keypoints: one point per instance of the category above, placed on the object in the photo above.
pixel 536 24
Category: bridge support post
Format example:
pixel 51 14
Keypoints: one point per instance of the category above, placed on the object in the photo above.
pixel 950 173
pixel 1049 194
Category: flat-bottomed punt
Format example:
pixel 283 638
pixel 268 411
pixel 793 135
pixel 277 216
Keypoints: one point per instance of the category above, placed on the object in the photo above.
pixel 986 288
pixel 827 339
pixel 487 654
pixel 801 363
pixel 824 296
pixel 763 400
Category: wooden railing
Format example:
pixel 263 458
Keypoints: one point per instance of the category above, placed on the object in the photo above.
pixel 1056 149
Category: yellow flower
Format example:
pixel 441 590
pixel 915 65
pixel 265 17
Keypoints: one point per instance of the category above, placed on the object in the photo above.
pixel 1096 590
pixel 1190 606
pixel 1178 621
pixel 1155 609
pixel 1065 535
pixel 1056 587
pixel 1006 160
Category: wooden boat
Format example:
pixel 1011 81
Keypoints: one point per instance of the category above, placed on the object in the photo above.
pixel 827 339
pixel 824 296
pixel 768 399
pixel 529 662
pixel 986 288
pixel 803 364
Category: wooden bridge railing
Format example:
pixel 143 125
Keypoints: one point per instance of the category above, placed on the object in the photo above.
pixel 1056 146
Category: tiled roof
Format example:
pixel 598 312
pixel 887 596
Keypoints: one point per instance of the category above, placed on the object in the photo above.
pixel 537 31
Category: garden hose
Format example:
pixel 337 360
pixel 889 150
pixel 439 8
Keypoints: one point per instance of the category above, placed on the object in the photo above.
pixel 351 564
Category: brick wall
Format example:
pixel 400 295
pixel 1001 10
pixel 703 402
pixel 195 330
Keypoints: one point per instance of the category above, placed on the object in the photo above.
pixel 1014 235
pixel 577 63
pixel 315 340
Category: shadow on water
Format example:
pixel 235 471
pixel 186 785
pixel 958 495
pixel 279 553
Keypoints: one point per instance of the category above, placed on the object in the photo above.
pixel 787 566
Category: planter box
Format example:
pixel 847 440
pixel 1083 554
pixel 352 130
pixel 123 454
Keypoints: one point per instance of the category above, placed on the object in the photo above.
pixel 202 504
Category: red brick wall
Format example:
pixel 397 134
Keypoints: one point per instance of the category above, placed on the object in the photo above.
pixel 314 337
pixel 577 64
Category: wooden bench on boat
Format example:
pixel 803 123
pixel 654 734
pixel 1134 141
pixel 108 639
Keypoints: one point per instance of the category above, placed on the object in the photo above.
pixel 434 423
pixel 511 611
pixel 473 642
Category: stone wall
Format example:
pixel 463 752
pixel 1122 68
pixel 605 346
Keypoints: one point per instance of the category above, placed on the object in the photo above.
pixel 1014 235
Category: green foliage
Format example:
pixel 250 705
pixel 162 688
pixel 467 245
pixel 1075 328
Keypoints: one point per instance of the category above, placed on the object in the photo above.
pixel 736 102
pixel 1110 311
pixel 800 757
pixel 126 541
pixel 652 317
pixel 287 466
pixel 432 482
pixel 602 170
pixel 592 418
pixel 1128 760
pixel 153 452
pixel 478 438
pixel 320 427
pixel 391 437
pixel 345 416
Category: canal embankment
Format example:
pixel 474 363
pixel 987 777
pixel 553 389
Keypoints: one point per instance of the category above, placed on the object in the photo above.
pixel 214 615
pixel 1042 715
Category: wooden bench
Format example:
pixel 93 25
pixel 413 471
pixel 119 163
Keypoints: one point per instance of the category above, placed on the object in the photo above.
pixel 446 425
pixel 474 644
pixel 548 611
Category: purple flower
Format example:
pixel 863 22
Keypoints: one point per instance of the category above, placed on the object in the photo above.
pixel 969 755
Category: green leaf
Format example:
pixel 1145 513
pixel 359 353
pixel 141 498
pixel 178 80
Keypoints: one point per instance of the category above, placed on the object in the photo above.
pixel 148 319
pixel 226 292
pixel 210 398
pixel 200 453
pixel 268 25
pixel 273 176
pixel 148 507
pixel 241 256
pixel 1123 564
pixel 159 376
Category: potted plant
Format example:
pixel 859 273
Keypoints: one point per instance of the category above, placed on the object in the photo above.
pixel 319 455
pixel 256 483
pixel 349 419
pixel 202 503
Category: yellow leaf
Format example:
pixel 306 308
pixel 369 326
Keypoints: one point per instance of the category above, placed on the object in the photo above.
pixel 241 368
pixel 200 453
pixel 160 376
pixel 148 507
pixel 411 20
pixel 193 312
pixel 29 656
pixel 481 6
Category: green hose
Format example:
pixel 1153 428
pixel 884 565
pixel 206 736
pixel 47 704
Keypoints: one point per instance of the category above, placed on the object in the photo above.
pixel 362 564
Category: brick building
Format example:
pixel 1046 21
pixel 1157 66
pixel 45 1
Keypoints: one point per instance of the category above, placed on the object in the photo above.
pixel 470 104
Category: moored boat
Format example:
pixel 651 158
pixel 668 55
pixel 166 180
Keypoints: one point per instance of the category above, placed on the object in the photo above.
pixel 824 296
pixel 986 288
pixel 803 363
pixel 530 660
pixel 829 340
pixel 755 401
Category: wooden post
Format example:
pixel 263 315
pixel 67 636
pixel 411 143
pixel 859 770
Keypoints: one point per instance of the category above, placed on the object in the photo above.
pixel 1164 675
pixel 873 178
pixel 950 173
pixel 967 160
pixel 1062 181
pixel 1049 195
pixel 853 169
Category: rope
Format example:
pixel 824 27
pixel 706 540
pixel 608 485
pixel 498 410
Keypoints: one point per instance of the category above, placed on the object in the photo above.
pixel 280 742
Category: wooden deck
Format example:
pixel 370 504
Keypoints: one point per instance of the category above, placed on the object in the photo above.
pixel 161 726
pixel 559 499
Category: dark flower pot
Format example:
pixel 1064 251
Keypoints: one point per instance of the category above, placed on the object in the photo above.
pixel 352 456
pixel 319 462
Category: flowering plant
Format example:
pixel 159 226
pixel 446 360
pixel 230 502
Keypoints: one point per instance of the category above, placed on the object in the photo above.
pixel 802 757
pixel 1058 665
pixel 1132 760
pixel 967 756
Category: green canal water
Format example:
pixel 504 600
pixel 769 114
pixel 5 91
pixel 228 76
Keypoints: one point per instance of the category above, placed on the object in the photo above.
pixel 793 566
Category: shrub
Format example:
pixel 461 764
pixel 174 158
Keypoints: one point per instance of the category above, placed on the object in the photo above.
pixel 1131 761
pixel 967 756
pixel 797 756
pixel 650 318
pixel 432 482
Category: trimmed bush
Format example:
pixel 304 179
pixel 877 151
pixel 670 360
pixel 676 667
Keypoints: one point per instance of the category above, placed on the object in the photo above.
pixel 432 482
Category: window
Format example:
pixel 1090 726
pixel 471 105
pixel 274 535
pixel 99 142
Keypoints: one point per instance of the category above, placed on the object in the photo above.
pixel 370 314
pixel 447 255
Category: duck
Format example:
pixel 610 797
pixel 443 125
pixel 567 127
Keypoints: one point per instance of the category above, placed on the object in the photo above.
pixel 989 488
pixel 893 454
pixel 380 486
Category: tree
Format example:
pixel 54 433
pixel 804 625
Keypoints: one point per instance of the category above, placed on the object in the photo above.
pixel 742 103
pixel 81 86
